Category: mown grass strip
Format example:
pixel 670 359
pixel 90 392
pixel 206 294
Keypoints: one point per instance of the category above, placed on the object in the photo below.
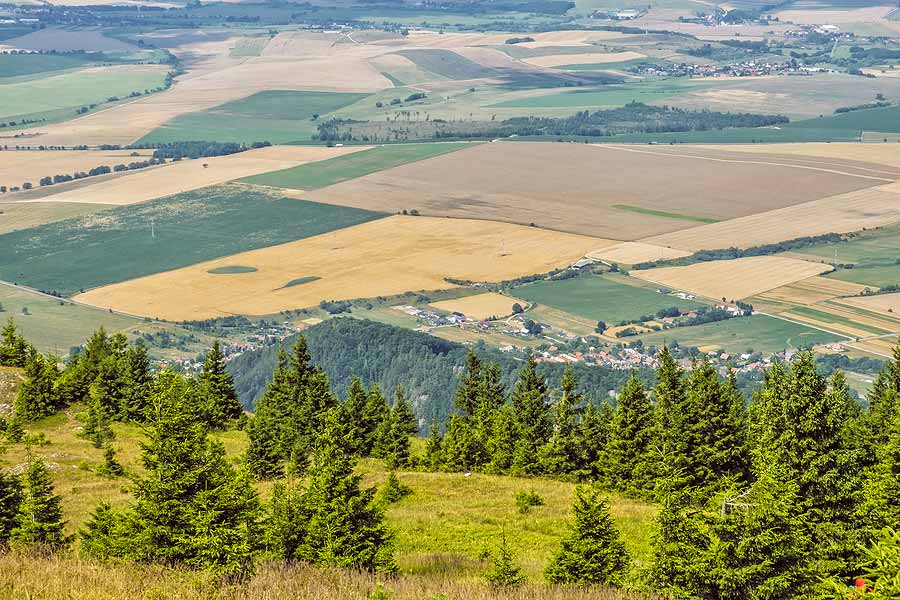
pixel 662 213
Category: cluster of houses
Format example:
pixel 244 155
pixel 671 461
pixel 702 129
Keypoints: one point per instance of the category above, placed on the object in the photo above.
pixel 432 318
pixel 750 68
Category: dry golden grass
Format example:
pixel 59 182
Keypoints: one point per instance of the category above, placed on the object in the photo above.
pixel 22 215
pixel 587 189
pixel 870 14
pixel 556 60
pixel 186 175
pixel 480 306
pixel 843 213
pixel 883 302
pixel 813 290
pixel 19 166
pixel 733 279
pixel 631 253
pixel 67 576
pixel 379 258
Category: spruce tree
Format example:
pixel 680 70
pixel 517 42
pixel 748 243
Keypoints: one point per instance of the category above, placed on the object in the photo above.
pixel 467 392
pixel 504 572
pixel 881 506
pixel 14 349
pixel 354 406
pixel 219 399
pixel 97 424
pixel 592 438
pixel 379 413
pixel 137 379
pixel 592 553
pixel 560 456
pixel 501 445
pixel 529 400
pixel 491 399
pixel 433 459
pixel 403 425
pixel 10 499
pixel 463 448
pixel 332 521
pixel 37 396
pixel 191 507
pixel 108 390
pixel 39 520
pixel 669 395
pixel 629 462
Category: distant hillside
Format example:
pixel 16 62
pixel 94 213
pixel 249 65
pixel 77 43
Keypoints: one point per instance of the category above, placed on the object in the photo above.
pixel 427 366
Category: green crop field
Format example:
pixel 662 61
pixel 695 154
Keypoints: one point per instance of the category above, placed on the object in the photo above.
pixel 662 213
pixel 885 119
pixel 141 239
pixel 759 333
pixel 624 64
pixel 600 298
pixel 350 166
pixel 17 65
pixel 447 63
pixel 609 95
pixel 275 116
pixel 825 317
pixel 66 92
pixel 873 254
pixel 53 325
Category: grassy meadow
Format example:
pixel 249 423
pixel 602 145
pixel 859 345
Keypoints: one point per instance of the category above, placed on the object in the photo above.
pixel 350 166
pixel 600 298
pixel 759 333
pixel 59 95
pixel 275 116
pixel 53 325
pixel 443 532
pixel 181 230
pixel 18 65
pixel 873 254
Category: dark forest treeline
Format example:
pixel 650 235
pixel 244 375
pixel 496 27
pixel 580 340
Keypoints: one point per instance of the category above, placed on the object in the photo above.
pixel 426 366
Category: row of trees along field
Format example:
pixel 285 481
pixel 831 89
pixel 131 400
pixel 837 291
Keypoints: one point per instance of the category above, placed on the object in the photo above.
pixel 792 495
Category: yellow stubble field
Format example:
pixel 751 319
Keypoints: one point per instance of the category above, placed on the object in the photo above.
pixel 480 306
pixel 733 279
pixel 379 258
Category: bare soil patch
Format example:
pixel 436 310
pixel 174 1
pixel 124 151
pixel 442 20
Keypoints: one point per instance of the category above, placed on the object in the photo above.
pixel 576 187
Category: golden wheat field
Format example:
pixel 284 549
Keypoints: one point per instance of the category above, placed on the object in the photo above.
pixel 889 303
pixel 631 253
pixel 885 154
pixel 19 166
pixel 379 258
pixel 22 215
pixel 813 290
pixel 733 279
pixel 480 306
pixel 187 175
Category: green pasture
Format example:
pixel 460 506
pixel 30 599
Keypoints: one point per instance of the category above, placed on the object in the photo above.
pixel 600 298
pixel 66 92
pixel 607 95
pixel 54 325
pixel 350 166
pixel 17 65
pixel 886 119
pixel 759 333
pixel 275 116
pixel 874 256
pixel 825 317
pixel 142 239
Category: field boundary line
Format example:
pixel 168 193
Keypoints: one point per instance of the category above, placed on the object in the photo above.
pixel 30 290
pixel 738 161
pixel 775 316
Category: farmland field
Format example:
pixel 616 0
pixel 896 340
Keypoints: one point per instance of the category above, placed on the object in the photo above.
pixel 733 279
pixel 479 306
pixel 608 95
pixel 382 258
pixel 576 187
pixel 22 215
pixel 631 253
pixel 273 116
pixel 340 169
pixel 17 65
pixel 601 298
pixel 53 95
pixel 19 166
pixel 185 175
pixel 885 119
pixel 53 325
pixel 164 234
pixel 446 63
pixel 759 333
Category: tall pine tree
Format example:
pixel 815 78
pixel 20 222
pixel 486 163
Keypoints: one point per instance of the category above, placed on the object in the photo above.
pixel 218 398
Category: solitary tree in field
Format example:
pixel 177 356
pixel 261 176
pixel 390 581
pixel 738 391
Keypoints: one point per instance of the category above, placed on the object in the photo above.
pixel 592 553
pixel 504 572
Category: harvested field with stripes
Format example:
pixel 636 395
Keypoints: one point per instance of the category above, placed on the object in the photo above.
pixel 811 291
pixel 733 279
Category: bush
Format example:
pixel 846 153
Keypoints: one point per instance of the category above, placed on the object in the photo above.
pixel 525 501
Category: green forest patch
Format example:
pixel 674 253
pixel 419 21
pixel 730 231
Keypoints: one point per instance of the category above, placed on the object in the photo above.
pixel 276 116
pixel 181 230
pixel 759 333
pixel 662 213
pixel 601 298
pixel 232 270
pixel 302 280
pixel 341 168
